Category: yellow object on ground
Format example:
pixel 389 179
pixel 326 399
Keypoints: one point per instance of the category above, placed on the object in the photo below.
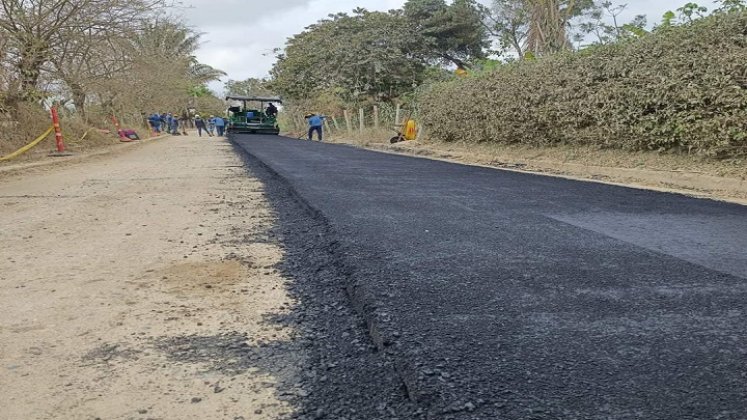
pixel 27 147
pixel 461 72
pixel 411 130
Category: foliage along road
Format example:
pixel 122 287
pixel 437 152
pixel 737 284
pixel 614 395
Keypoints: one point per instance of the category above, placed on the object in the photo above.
pixel 511 295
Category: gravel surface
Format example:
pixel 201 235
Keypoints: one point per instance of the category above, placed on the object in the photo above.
pixel 142 285
pixel 504 295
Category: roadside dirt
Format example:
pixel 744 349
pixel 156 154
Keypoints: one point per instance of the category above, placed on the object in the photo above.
pixel 142 285
pixel 721 180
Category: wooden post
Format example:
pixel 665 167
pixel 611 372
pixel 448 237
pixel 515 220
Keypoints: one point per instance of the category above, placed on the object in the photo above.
pixel 361 120
pixel 337 126
pixel 376 117
pixel 348 122
pixel 421 132
pixel 326 127
pixel 396 114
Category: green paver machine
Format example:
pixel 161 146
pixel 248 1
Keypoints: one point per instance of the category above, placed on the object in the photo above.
pixel 248 118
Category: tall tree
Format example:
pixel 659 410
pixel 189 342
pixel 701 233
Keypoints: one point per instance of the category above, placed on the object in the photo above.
pixel 35 28
pixel 452 33
pixel 549 24
pixel 508 20
pixel 365 54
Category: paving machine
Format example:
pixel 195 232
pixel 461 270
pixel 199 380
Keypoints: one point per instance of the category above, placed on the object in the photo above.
pixel 248 114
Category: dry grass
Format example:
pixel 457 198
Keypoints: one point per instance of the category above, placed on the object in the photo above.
pixel 30 122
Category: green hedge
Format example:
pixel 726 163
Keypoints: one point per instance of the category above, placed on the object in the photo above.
pixel 682 88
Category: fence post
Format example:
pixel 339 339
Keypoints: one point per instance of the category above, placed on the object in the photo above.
pixel 361 120
pixel 397 114
pixel 348 122
pixel 57 130
pixel 376 117
pixel 326 127
pixel 334 121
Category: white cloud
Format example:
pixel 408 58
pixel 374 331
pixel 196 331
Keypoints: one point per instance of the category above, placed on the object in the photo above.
pixel 239 35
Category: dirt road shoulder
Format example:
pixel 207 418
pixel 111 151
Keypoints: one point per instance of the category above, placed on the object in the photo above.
pixel 143 287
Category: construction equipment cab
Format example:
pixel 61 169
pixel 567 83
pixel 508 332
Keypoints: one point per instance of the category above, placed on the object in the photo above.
pixel 247 114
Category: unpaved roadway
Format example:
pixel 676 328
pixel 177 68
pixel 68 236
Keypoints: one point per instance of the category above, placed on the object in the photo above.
pixel 142 286
pixel 502 295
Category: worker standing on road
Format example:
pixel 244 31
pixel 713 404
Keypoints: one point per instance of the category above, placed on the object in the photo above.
pixel 316 122
pixel 211 125
pixel 220 126
pixel 174 125
pixel 155 123
pixel 200 125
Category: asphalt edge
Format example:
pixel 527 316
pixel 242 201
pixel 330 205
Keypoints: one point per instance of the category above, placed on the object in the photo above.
pixel 692 193
pixel 364 303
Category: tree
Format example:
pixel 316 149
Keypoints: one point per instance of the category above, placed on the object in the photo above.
pixel 549 23
pixel 452 33
pixel 731 6
pixel 508 20
pixel 687 14
pixel 603 21
pixel 363 55
pixel 536 27
pixel 249 87
pixel 36 28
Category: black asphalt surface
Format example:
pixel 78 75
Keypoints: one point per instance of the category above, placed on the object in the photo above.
pixel 502 295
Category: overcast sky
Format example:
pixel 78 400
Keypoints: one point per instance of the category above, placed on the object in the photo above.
pixel 239 35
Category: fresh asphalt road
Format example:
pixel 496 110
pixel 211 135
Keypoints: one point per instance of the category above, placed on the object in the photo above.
pixel 519 296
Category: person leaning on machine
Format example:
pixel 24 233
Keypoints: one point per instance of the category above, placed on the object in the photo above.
pixel 316 122
pixel 272 110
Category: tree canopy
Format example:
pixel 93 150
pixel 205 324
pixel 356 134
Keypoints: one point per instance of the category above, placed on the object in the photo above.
pixel 112 54
pixel 380 55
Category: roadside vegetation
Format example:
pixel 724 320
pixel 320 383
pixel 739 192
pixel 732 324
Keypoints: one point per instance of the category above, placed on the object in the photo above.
pixel 95 59
pixel 533 72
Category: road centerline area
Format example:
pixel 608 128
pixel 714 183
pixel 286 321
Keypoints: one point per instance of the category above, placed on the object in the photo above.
pixel 508 295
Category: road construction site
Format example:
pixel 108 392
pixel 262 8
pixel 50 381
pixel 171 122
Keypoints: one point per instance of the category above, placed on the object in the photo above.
pixel 269 278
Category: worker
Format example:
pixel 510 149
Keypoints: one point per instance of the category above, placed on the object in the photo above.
pixel 155 123
pixel 316 122
pixel 272 110
pixel 220 125
pixel 200 125
pixel 211 125
pixel 174 126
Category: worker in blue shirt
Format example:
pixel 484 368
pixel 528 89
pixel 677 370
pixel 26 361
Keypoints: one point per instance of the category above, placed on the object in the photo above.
pixel 155 123
pixel 316 122
pixel 220 125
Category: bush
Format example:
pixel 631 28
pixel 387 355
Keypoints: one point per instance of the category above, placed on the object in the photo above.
pixel 682 89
